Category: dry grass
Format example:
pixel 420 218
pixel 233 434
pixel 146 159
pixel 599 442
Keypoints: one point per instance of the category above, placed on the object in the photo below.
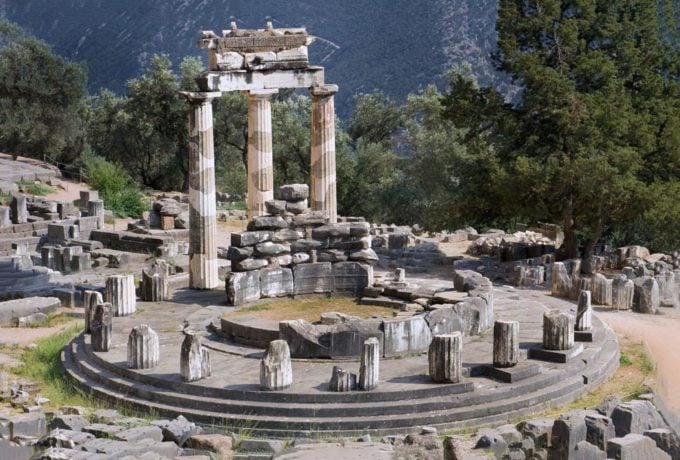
pixel 628 382
pixel 310 309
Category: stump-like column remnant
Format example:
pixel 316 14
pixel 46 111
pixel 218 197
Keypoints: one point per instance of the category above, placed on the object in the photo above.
pixel 276 368
pixel 154 285
pixel 342 380
pixel 90 300
pixel 561 281
pixel 558 330
pixel 19 210
pixel 323 185
pixel 95 208
pixel 120 293
pixel 505 343
pixel 260 152
pixel 445 358
pixel 143 351
pixel 622 293
pixel 369 369
pixel 194 361
pixel 202 204
pixel 102 327
pixel 584 312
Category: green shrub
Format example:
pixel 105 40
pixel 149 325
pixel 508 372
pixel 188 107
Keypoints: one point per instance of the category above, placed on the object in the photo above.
pixel 115 187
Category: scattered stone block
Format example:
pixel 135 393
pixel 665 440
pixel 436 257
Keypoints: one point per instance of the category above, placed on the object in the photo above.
pixel 342 380
pixel 101 327
pixel 143 350
pixel 19 210
pixel 636 416
pixel 599 430
pixel 445 358
pixel 666 440
pixel 140 433
pixel 194 359
pixel 69 422
pixel 120 293
pixel 369 370
pixel 635 446
pixel 445 320
pixel 180 430
pixel 32 425
pixel 276 369
pixel 646 295
pixel 505 343
pixel 294 192
pixel 219 444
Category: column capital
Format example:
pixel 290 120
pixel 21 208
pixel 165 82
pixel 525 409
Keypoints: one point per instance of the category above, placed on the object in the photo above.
pixel 262 93
pixel 194 97
pixel 323 91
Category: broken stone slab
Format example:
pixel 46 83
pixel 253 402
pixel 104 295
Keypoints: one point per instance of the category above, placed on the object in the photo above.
pixel 143 351
pixel 346 339
pixel 249 265
pixel 120 293
pixel 180 430
pixel 194 359
pixel 303 338
pixel 646 295
pixel 276 369
pixel 342 380
pixel 275 207
pixel 297 207
pixel 666 440
pixel 5 220
pixel 444 320
pixel 369 370
pixel 69 422
pixel 139 433
pixel 28 425
pixel 276 282
pixel 635 446
pixel 505 343
pixel 351 277
pixel 102 430
pixel 65 438
pixel 539 430
pixel 406 335
pixel 243 287
pixel 636 416
pixel 313 278
pixel 36 319
pixel 364 255
pixel 567 431
pixel 101 327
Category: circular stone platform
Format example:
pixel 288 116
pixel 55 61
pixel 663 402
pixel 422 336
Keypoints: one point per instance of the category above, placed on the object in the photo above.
pixel 405 398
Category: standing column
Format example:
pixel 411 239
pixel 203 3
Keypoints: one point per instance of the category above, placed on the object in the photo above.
pixel 202 210
pixel 260 152
pixel 323 191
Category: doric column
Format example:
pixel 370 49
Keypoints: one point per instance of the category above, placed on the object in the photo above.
pixel 202 210
pixel 260 152
pixel 323 193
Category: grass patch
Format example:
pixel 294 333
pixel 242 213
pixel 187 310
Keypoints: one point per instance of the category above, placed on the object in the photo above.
pixel 42 365
pixel 233 206
pixel 34 188
pixel 628 382
pixel 310 309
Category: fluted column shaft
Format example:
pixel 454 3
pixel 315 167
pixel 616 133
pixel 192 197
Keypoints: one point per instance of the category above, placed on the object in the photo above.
pixel 260 152
pixel 323 186
pixel 202 205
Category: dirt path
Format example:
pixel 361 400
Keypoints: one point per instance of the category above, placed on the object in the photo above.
pixel 661 335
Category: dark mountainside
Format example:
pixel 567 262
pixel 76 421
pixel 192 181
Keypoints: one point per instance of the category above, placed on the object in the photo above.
pixel 396 46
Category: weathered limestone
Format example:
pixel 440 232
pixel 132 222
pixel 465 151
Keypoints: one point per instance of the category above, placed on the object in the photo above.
pixel 342 380
pixel 154 285
pixel 369 370
pixel 323 191
pixel 95 208
pixel 505 343
pixel 561 281
pixel 260 156
pixel 202 204
pixel 194 360
pixel 5 220
pixel 90 300
pixel 445 358
pixel 19 211
pixel 120 293
pixel 601 289
pixel 622 293
pixel 584 312
pixel 558 330
pixel 143 350
pixel 646 295
pixel 276 368
pixel 101 327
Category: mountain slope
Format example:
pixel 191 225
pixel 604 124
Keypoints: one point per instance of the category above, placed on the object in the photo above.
pixel 393 45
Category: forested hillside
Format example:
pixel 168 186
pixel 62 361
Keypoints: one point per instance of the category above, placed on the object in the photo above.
pixel 397 46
